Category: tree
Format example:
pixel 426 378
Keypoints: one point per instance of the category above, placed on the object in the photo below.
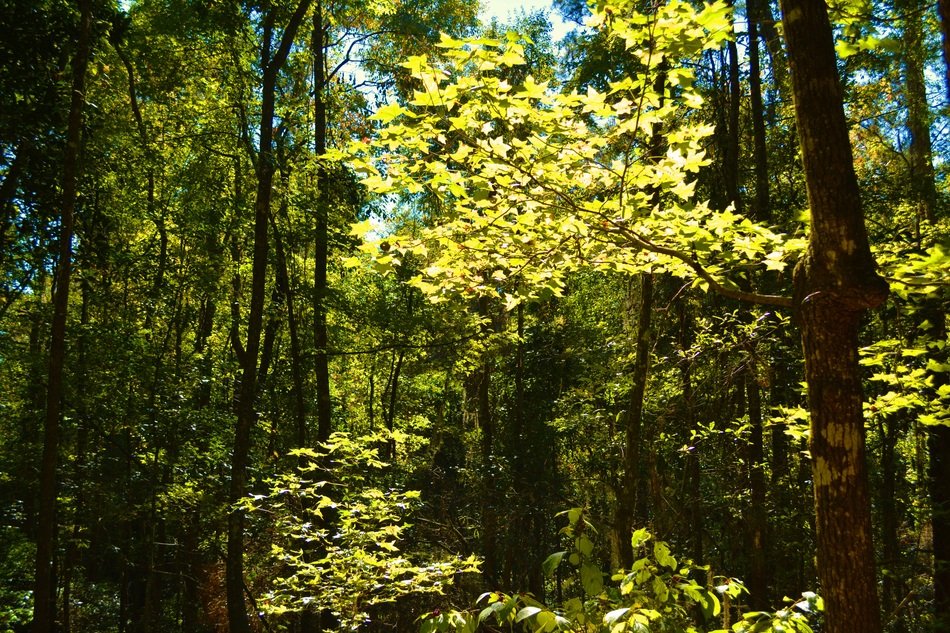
pixel 574 194
pixel 271 61
pixel 835 283
pixel 44 592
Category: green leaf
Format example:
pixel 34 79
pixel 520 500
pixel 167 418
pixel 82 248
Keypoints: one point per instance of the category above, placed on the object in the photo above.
pixel 527 612
pixel 551 563
pixel 592 579
pixel 584 545
pixel 616 614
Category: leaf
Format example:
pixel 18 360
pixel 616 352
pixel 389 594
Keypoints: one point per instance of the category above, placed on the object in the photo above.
pixel 584 545
pixel 551 563
pixel 527 612
pixel 661 552
pixel 592 579
pixel 616 614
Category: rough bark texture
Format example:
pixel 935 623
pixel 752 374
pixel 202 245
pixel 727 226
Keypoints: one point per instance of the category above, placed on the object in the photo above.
pixel 835 283
pixel 44 589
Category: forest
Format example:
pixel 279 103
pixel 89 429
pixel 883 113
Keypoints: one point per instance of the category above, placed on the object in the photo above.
pixel 384 315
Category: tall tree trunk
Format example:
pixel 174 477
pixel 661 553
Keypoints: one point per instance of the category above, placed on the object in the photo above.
pixel 760 12
pixel 759 577
pixel 938 443
pixel 296 363
pixel 693 465
pixel 892 590
pixel 731 158
pixel 626 512
pixel 943 6
pixel 923 189
pixel 479 396
pixel 918 115
pixel 835 283
pixel 762 212
pixel 44 590
pixel 271 62
pixel 321 235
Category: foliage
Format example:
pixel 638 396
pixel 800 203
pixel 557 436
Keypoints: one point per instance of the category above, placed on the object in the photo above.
pixel 339 541
pixel 541 182
pixel 658 593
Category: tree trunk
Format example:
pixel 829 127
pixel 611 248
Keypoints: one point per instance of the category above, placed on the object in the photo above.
pixel 835 283
pixel 943 6
pixel 918 116
pixel 892 586
pixel 693 465
pixel 44 590
pixel 938 443
pixel 296 364
pixel 762 212
pixel 759 577
pixel 627 501
pixel 248 356
pixel 731 158
pixel 760 12
pixel 321 235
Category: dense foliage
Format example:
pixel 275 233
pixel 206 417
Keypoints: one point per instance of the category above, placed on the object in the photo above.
pixel 351 315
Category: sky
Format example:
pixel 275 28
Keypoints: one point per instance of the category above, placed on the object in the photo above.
pixel 503 9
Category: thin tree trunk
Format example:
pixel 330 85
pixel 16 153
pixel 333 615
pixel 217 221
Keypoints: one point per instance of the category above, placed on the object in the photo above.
pixel 321 235
pixel 248 356
pixel 627 502
pixel 731 158
pixel 296 364
pixel 835 283
pixel 8 190
pixel 938 443
pixel 943 6
pixel 762 211
pixel 44 590
pixel 892 591
pixel 693 465
pixel 760 12
pixel 480 392
pixel 918 117
pixel 759 574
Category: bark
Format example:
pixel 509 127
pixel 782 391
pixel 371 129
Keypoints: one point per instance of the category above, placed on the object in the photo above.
pixel 693 465
pixel 731 158
pixel 759 573
pixel 8 190
pixel 490 485
pixel 321 234
pixel 943 6
pixel 625 517
pixel 892 590
pixel 296 363
pixel 271 62
pixel 762 211
pixel 938 443
pixel 479 395
pixel 44 589
pixel 761 12
pixel 835 283
pixel 918 118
